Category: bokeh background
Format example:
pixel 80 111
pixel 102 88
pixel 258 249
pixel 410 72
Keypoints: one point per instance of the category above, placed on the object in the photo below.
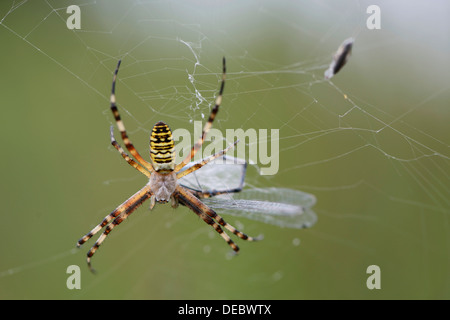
pixel 372 145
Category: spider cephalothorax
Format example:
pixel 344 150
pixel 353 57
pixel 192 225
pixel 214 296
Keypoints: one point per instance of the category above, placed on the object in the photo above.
pixel 162 186
pixel 163 175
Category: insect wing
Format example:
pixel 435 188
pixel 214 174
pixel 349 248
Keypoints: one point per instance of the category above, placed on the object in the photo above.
pixel 224 173
pixel 277 206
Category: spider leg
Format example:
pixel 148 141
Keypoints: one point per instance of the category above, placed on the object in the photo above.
pixel 193 204
pixel 132 205
pixel 208 124
pixel 130 147
pixel 205 161
pixel 210 217
pixel 127 158
pixel 212 193
pixel 127 207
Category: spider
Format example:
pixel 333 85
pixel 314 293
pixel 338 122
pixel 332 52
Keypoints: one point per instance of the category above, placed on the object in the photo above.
pixel 163 175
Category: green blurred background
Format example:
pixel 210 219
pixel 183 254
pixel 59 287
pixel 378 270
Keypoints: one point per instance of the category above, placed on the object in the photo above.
pixel 377 161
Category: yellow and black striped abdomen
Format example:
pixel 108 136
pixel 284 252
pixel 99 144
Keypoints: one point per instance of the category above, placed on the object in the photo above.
pixel 162 148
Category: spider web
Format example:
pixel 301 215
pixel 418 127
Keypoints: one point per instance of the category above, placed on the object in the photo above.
pixel 372 145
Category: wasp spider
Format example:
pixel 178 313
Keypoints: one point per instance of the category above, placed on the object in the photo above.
pixel 163 176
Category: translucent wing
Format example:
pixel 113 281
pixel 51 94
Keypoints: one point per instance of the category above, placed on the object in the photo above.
pixel 278 206
pixel 224 173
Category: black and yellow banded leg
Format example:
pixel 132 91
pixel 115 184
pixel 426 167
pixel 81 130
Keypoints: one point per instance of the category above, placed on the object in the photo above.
pixel 128 144
pixel 208 124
